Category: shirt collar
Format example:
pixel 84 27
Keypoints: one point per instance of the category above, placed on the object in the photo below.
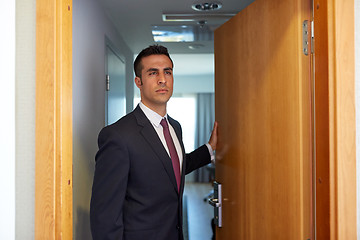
pixel 154 117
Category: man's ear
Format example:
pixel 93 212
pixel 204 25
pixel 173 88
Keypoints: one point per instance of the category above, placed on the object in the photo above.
pixel 138 82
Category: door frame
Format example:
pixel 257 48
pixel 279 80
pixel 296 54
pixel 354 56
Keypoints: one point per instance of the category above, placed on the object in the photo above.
pixel 53 120
pixel 335 135
pixel 335 119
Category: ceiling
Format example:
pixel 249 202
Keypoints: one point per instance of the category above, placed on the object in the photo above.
pixel 134 20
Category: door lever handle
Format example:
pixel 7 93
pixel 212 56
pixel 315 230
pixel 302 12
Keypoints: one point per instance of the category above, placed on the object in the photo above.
pixel 214 202
pixel 217 204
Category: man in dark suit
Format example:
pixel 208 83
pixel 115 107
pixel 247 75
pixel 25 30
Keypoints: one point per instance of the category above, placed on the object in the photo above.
pixel 141 162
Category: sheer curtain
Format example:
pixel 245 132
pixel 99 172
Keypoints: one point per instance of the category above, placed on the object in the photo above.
pixel 205 117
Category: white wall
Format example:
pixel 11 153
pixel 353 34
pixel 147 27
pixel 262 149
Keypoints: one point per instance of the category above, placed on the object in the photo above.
pixel 203 83
pixel 193 73
pixel 25 118
pixel 7 120
pixel 90 25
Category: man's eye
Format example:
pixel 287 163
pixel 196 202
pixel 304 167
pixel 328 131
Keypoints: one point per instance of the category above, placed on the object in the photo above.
pixel 168 72
pixel 152 73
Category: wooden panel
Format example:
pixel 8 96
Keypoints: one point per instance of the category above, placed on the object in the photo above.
pixel 263 106
pixel 342 147
pixel 53 153
pixel 322 121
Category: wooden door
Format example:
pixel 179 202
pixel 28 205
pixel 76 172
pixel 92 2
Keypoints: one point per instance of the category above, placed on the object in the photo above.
pixel 263 106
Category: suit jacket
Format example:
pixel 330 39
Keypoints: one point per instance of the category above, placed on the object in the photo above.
pixel 134 193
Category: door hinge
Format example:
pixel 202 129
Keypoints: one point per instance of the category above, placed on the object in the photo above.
pixel 305 33
pixel 312 37
pixel 308 37
pixel 107 82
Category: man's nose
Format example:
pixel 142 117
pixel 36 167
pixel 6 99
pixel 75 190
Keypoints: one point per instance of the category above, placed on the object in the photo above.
pixel 162 78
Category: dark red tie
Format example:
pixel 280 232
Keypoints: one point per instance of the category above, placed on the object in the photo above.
pixel 173 154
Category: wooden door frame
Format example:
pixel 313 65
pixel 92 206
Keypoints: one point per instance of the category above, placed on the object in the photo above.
pixel 335 119
pixel 53 126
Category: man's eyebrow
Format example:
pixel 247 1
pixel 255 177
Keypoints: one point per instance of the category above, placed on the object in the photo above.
pixel 156 69
pixel 152 70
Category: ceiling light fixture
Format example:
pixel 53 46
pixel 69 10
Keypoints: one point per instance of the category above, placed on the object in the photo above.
pixel 206 6
pixel 171 17
pixel 176 33
pixel 202 23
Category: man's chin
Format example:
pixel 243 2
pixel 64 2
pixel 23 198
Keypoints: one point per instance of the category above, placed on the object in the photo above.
pixel 164 98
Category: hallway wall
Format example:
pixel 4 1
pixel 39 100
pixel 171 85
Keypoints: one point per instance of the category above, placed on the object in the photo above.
pixel 25 119
pixel 90 26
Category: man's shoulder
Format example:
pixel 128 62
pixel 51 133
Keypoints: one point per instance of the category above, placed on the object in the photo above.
pixel 126 122
pixel 127 125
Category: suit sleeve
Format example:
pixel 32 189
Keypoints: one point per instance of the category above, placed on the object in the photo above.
pixel 109 187
pixel 198 158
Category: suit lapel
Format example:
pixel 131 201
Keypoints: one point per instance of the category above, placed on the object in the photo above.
pixel 150 135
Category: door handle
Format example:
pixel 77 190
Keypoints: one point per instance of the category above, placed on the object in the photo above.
pixel 216 203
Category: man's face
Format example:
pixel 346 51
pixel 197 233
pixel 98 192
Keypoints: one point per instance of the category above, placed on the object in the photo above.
pixel 156 82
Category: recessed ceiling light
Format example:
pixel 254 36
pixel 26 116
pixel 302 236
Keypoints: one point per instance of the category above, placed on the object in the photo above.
pixel 206 6
pixel 176 33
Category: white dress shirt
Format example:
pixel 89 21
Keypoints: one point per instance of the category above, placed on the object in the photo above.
pixel 155 120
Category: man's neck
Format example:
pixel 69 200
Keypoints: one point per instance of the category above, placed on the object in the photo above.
pixel 161 110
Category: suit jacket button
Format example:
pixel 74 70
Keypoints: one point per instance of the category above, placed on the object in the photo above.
pixel 177 227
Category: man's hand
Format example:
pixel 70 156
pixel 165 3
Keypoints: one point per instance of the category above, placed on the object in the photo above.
pixel 213 137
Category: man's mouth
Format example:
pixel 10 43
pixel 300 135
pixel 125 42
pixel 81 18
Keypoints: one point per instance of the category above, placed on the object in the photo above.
pixel 162 90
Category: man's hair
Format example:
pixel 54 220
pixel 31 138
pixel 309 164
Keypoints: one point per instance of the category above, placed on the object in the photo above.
pixel 151 50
